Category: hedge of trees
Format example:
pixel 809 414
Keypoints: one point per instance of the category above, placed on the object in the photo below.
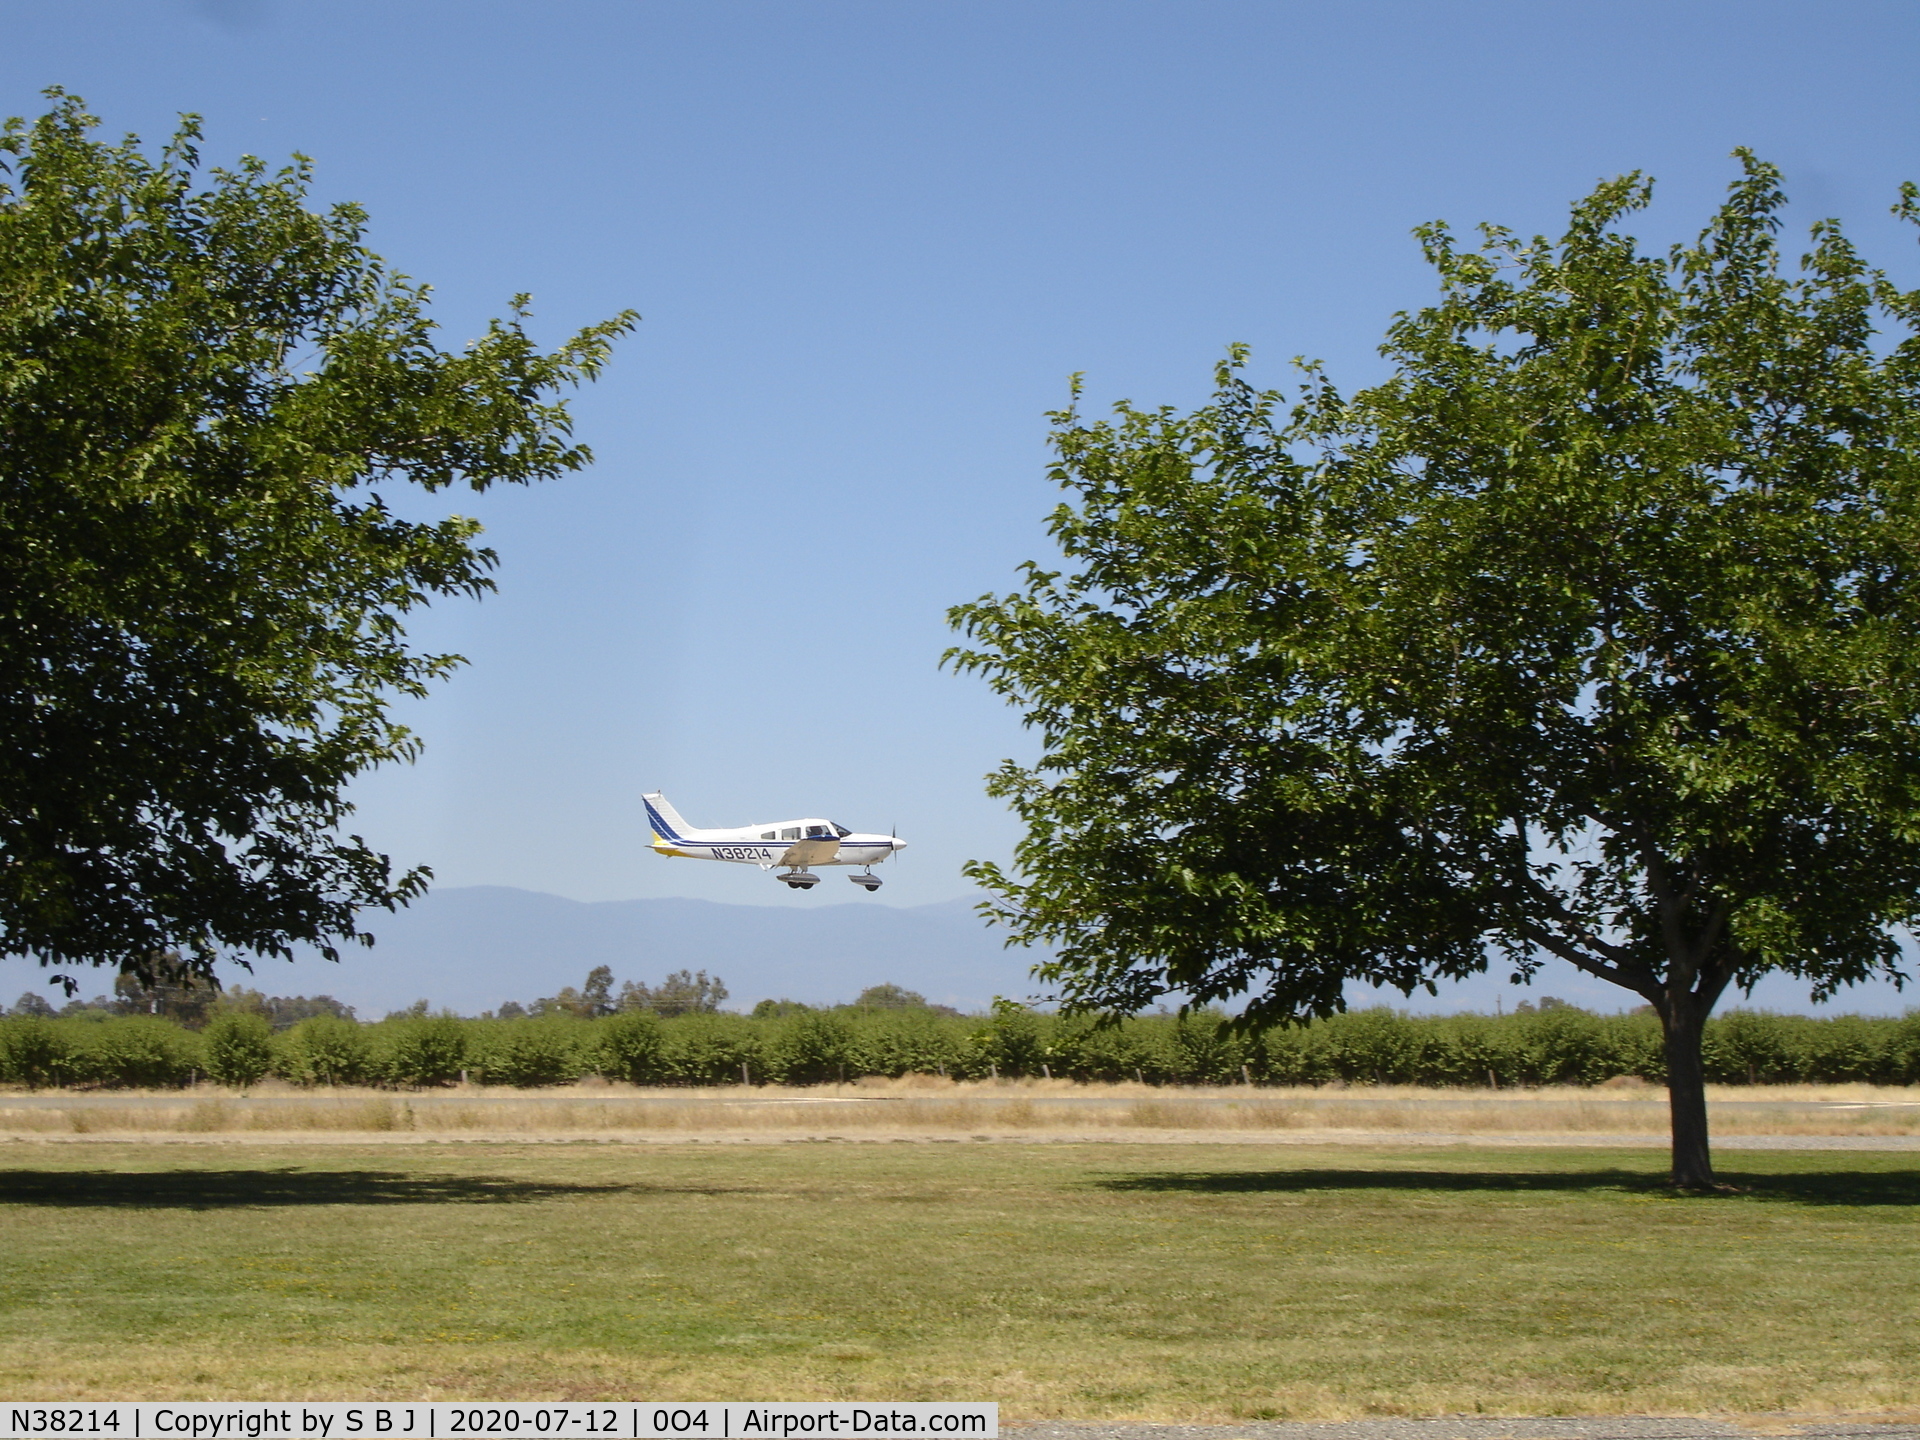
pixel 796 1045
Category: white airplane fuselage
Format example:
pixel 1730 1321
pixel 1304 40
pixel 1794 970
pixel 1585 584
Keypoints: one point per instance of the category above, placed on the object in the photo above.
pixel 791 844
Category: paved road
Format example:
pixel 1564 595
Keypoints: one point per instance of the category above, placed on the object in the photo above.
pixel 1479 1427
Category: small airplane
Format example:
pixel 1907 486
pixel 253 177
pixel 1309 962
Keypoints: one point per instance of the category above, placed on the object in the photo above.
pixel 796 844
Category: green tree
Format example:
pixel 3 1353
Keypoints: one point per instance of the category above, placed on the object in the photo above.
pixel 422 1050
pixel 238 1047
pixel 136 1052
pixel 709 1048
pixel 286 1011
pixel 327 1050
pixel 891 997
pixel 1014 1042
pixel 202 385
pixel 34 1053
pixel 590 1002
pixel 169 989
pixel 768 1009
pixel 630 1047
pixel 528 1053
pixel 684 992
pixel 239 999
pixel 814 1047
pixel 1592 633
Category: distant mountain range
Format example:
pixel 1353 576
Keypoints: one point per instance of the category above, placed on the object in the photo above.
pixel 470 949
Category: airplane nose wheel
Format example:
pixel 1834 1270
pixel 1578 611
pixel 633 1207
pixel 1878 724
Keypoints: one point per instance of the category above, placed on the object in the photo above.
pixel 868 882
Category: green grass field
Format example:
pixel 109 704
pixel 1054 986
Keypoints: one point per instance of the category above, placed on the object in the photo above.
pixel 1080 1281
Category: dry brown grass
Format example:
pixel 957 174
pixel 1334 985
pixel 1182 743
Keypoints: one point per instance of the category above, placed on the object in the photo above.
pixel 928 1105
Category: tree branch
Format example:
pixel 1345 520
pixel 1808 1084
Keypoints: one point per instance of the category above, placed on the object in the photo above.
pixel 1633 977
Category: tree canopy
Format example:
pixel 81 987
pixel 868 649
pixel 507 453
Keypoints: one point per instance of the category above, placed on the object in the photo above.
pixel 203 386
pixel 1591 634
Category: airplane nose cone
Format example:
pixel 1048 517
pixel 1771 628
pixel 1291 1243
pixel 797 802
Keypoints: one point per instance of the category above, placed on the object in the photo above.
pixel 898 843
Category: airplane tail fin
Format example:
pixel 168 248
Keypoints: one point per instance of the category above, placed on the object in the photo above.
pixel 664 819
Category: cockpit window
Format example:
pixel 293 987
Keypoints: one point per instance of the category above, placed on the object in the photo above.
pixel 819 832
pixel 840 830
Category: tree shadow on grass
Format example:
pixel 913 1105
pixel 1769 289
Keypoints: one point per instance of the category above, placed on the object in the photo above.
pixel 235 1189
pixel 1827 1187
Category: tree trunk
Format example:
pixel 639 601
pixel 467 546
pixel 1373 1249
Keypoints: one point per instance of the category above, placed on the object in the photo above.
pixel 1684 1020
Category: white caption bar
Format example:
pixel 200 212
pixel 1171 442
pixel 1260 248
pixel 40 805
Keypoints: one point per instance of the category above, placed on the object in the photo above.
pixel 451 1420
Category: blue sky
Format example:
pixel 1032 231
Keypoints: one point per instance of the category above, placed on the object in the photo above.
pixel 870 242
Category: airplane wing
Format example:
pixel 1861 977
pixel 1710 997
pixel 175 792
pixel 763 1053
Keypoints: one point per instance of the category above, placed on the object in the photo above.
pixel 810 852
